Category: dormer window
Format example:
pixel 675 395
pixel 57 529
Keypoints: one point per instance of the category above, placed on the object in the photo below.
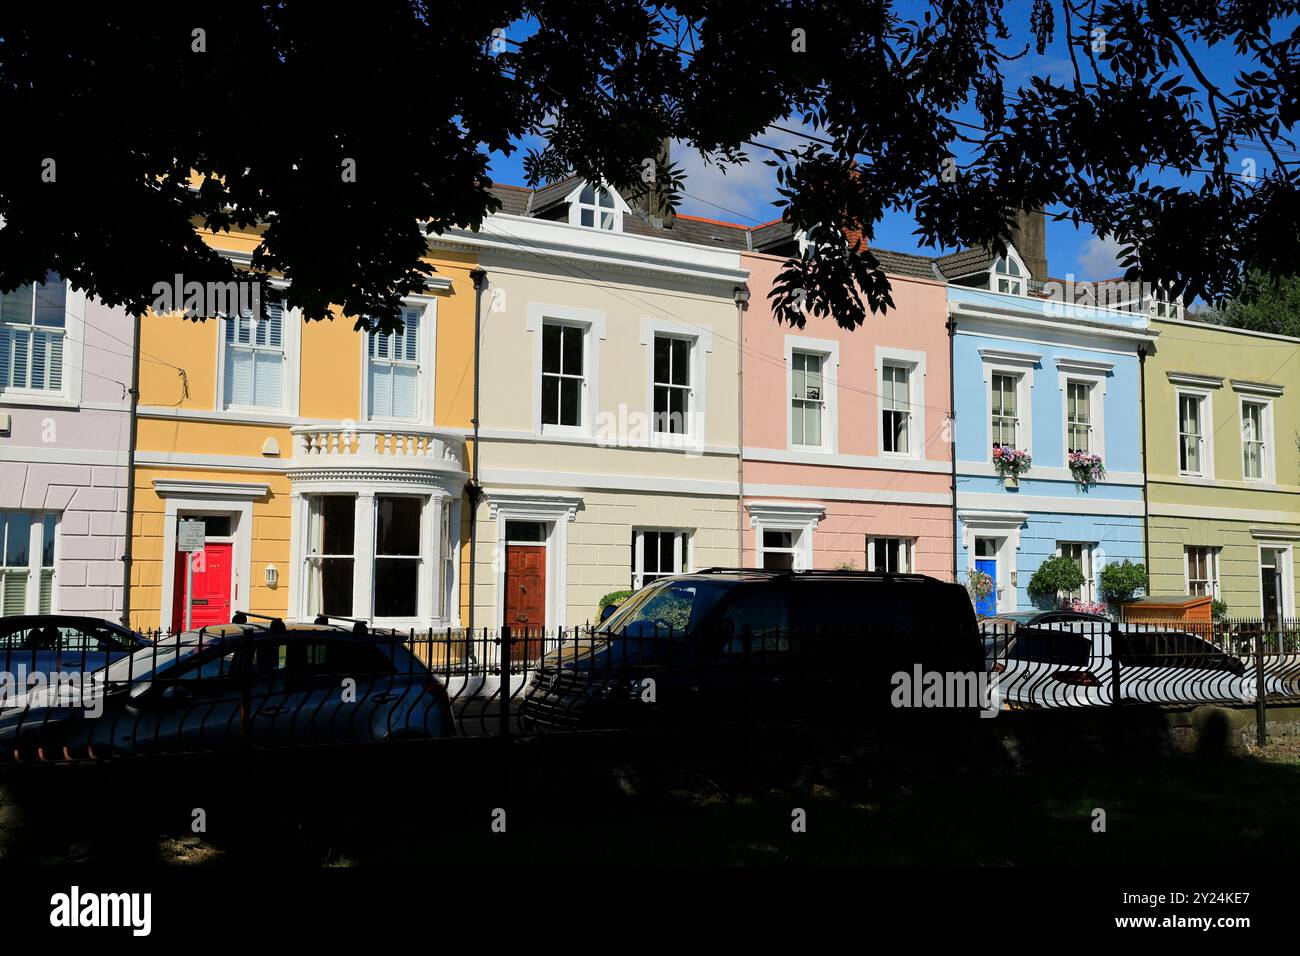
pixel 1007 276
pixel 1160 305
pixel 596 208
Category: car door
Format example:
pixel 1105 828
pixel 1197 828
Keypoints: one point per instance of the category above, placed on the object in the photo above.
pixel 196 706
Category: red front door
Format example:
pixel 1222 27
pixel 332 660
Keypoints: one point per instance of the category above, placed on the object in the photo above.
pixel 525 611
pixel 211 582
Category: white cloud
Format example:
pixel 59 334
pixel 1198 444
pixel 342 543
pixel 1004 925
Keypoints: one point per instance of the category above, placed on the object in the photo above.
pixel 742 193
pixel 1099 259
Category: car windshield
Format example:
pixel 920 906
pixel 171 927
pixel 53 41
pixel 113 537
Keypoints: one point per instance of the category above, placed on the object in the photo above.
pixel 152 660
pixel 1003 621
pixel 673 606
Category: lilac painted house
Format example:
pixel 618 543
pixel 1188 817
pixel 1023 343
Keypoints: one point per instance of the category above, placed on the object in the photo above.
pixel 65 369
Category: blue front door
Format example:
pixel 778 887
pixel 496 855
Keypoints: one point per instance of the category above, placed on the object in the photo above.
pixel 989 605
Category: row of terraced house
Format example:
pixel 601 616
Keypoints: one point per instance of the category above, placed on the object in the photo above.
pixel 588 396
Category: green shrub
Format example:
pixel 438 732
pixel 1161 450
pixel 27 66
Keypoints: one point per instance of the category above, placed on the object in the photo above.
pixel 1219 609
pixel 614 597
pixel 1056 575
pixel 1121 581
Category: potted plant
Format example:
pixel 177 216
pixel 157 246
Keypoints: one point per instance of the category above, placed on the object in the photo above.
pixel 1010 463
pixel 1056 576
pixel 1087 469
pixel 979 584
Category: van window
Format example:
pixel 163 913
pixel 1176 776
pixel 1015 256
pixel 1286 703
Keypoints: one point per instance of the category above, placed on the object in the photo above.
pixel 880 608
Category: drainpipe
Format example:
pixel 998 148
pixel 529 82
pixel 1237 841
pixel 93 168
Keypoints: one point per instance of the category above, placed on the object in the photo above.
pixel 473 488
pixel 742 302
pixel 952 423
pixel 128 552
pixel 1146 502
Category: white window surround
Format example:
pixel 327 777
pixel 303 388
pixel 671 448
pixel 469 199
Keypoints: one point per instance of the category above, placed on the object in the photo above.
pixel 701 339
pixel 428 366
pixel 1093 560
pixel 830 352
pixel 1004 527
pixel 1095 375
pixel 235 499
pixel 914 362
pixel 1206 399
pixel 1019 365
pixel 555 512
pixel 1268 474
pixel 576 206
pixel 292 344
pixel 908 546
pixel 800 518
pixel 1022 278
pixel 1213 555
pixel 1286 572
pixel 592 322
pixel 683 549
pixel 74 337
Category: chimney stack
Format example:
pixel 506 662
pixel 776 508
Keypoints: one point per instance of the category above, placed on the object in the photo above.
pixel 1029 235
pixel 650 202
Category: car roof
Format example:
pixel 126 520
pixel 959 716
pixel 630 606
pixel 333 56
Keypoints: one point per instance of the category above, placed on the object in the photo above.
pixel 762 574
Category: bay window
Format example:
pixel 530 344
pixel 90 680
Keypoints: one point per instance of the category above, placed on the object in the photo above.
pixel 331 539
pixel 397 556
pixel 380 558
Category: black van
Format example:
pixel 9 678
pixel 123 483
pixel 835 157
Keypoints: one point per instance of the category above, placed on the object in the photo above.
pixel 728 645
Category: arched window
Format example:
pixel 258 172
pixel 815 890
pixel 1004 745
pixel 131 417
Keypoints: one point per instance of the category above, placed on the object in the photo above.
pixel 1008 277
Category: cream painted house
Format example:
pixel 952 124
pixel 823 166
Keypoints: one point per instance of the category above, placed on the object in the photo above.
pixel 609 408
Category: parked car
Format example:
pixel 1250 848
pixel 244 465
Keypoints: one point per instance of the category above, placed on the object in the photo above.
pixel 47 644
pixel 725 645
pixel 998 629
pixel 265 684
pixel 1063 663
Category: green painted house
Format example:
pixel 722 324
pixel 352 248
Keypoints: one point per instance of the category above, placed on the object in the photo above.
pixel 1222 419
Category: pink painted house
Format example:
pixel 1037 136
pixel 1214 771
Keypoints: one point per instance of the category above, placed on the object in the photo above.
pixel 65 367
pixel 847 450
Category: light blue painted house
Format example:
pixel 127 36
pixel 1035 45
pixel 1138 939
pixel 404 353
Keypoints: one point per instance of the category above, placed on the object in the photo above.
pixel 1038 370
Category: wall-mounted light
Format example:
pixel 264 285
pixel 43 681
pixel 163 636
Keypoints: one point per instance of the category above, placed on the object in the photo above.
pixel 272 575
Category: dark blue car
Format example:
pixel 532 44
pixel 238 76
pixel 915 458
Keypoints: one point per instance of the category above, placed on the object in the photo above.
pixel 49 644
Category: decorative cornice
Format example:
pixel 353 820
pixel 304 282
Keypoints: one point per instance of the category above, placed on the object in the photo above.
pixel 1010 357
pixel 534 504
pixel 1256 388
pixel 431 478
pixel 794 512
pixel 1276 534
pixel 1195 379
pixel 225 490
pixel 1084 366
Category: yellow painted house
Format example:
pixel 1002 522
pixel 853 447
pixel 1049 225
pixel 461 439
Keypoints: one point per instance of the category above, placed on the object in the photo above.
pixel 327 465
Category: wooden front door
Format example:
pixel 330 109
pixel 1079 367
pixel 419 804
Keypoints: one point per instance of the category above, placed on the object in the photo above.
pixel 525 611
pixel 212 587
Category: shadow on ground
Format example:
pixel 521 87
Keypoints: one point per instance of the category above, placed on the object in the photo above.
pixel 721 799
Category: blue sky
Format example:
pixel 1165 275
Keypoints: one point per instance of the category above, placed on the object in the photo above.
pixel 745 194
